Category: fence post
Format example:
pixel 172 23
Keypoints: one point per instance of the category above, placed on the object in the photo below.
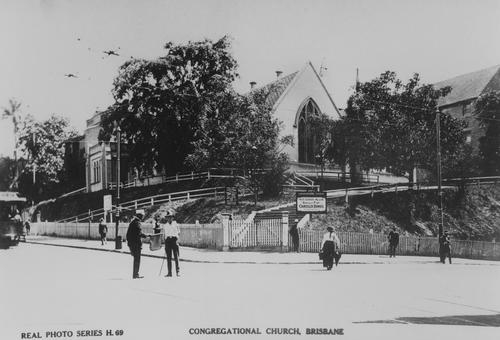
pixel 346 195
pixel 135 205
pixel 284 230
pixel 177 177
pixel 170 198
pixel 215 193
pixel 152 201
pixel 208 173
pixel 188 196
pixel 192 175
pixel 225 234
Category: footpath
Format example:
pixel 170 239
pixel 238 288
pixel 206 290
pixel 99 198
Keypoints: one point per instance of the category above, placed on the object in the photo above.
pixel 188 254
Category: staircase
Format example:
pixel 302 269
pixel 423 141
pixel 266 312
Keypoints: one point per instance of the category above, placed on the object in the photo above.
pixel 277 213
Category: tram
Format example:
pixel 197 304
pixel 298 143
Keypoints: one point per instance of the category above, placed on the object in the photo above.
pixel 11 221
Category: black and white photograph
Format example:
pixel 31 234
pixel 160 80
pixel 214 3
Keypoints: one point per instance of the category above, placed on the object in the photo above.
pixel 249 169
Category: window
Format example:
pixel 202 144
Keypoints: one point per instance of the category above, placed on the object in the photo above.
pixel 96 171
pixel 307 142
pixel 467 109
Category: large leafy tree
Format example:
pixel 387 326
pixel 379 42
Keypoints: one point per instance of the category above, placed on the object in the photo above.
pixel 42 143
pixel 162 104
pixel 392 126
pixel 488 114
pixel 241 132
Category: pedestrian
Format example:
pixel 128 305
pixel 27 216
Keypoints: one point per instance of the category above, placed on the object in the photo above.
pixel 28 227
pixel 103 230
pixel 294 233
pixel 157 227
pixel 445 247
pixel 330 246
pixel 134 235
pixel 393 238
pixel 171 233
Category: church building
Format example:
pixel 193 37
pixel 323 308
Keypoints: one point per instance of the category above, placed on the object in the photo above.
pixel 294 99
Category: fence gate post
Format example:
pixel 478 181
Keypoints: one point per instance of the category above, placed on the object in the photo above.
pixel 284 231
pixel 225 234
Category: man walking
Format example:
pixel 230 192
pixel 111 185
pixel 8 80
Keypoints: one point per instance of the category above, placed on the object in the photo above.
pixel 294 233
pixel 103 230
pixel 393 242
pixel 171 232
pixel 134 235
pixel 445 247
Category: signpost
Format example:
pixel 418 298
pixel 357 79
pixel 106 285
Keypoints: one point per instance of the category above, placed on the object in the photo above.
pixel 311 202
pixel 107 206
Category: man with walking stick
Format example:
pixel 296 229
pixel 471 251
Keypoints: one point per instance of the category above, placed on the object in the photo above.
pixel 171 233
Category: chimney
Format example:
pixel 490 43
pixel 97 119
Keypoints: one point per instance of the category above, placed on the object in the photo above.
pixel 252 85
pixel 278 74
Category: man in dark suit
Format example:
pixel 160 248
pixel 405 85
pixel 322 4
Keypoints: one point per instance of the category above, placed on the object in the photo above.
pixel 134 235
pixel 393 242
pixel 445 247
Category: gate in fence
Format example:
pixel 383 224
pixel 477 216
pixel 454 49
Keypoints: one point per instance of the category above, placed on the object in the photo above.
pixel 264 234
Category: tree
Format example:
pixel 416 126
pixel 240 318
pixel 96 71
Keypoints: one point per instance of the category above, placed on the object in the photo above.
pixel 43 144
pixel 162 104
pixel 241 132
pixel 487 111
pixel 12 112
pixel 392 126
pixel 7 173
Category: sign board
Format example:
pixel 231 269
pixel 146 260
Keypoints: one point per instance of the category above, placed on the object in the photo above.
pixel 107 203
pixel 311 202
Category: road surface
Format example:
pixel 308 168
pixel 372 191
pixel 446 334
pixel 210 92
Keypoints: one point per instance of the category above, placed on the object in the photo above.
pixel 50 290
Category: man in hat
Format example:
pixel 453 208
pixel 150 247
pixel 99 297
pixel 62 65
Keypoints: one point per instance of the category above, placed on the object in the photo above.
pixel 393 239
pixel 171 233
pixel 134 235
pixel 445 247
pixel 294 233
pixel 103 229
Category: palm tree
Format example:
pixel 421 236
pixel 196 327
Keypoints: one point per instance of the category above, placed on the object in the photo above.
pixel 12 112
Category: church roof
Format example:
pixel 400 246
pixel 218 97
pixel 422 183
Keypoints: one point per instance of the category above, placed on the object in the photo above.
pixel 275 89
pixel 467 86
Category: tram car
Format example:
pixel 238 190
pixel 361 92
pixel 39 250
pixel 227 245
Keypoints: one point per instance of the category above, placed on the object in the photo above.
pixel 11 221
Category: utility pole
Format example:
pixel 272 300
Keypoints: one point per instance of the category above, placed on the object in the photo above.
pixel 440 192
pixel 118 244
pixel 33 160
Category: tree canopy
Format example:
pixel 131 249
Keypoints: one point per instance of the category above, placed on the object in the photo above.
pixel 42 143
pixel 392 125
pixel 162 105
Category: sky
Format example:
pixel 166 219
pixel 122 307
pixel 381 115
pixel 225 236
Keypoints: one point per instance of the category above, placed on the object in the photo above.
pixel 41 41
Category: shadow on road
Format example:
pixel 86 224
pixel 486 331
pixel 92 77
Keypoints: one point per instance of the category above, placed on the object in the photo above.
pixel 492 320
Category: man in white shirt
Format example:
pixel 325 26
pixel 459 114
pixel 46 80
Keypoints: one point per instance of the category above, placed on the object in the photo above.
pixel 171 233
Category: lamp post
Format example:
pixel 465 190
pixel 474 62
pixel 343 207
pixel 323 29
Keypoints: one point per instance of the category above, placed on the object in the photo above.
pixel 438 146
pixel 118 244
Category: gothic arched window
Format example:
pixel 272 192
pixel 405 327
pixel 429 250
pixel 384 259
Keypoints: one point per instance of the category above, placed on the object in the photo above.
pixel 307 142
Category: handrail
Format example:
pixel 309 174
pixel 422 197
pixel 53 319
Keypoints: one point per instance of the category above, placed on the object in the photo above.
pixel 151 200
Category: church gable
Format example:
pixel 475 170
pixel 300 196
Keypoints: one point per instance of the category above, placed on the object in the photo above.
pixel 305 96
